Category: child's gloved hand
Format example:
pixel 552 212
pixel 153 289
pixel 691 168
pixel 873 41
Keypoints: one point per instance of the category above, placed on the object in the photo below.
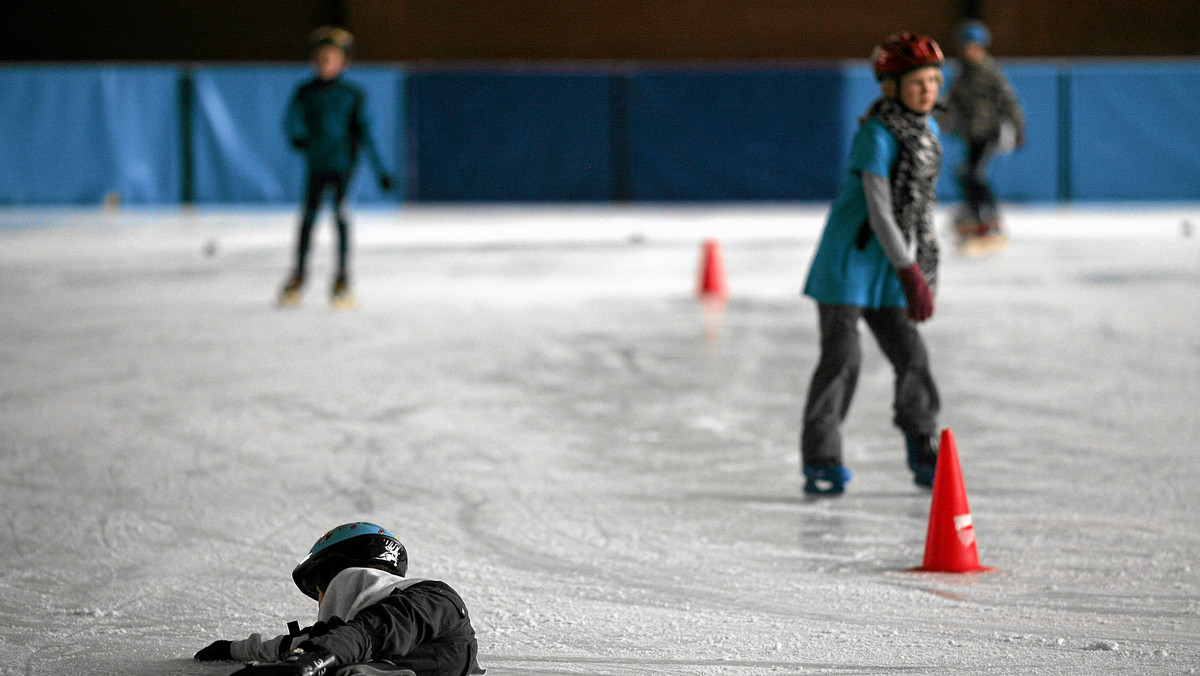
pixel 217 651
pixel 385 182
pixel 299 663
pixel 916 292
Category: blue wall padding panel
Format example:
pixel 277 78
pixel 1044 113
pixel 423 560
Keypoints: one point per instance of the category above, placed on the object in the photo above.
pixel 387 113
pixel 520 136
pixel 240 152
pixel 1031 172
pixel 160 135
pixel 733 134
pixel 76 135
pixel 1135 131
pixel 238 142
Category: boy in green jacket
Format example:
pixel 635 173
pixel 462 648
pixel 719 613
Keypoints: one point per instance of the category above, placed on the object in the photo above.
pixel 327 121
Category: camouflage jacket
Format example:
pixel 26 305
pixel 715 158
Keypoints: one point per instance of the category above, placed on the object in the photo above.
pixel 979 100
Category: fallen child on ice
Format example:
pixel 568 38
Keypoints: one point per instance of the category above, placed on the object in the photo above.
pixel 371 621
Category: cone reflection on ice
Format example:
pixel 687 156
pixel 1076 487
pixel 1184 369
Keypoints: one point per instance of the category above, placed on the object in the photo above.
pixel 950 540
pixel 712 284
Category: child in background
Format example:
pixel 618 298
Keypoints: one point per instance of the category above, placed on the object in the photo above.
pixel 327 121
pixel 370 619
pixel 981 109
pixel 877 260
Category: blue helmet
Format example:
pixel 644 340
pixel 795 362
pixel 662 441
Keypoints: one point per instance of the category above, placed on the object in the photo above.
pixel 973 32
pixel 351 545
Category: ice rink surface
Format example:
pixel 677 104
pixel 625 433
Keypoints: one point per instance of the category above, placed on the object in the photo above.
pixel 533 400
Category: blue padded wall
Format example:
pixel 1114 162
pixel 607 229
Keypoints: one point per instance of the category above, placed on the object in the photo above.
pixel 1135 131
pixel 511 136
pixel 81 134
pixel 239 148
pixel 162 135
pixel 740 134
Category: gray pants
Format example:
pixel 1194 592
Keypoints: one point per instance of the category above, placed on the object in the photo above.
pixel 916 402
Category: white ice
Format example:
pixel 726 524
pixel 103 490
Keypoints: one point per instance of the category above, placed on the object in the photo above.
pixel 535 402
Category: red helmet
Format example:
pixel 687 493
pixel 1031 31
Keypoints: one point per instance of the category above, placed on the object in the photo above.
pixel 904 52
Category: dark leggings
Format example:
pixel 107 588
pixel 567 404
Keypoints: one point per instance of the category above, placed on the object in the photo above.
pixel 916 403
pixel 972 177
pixel 318 182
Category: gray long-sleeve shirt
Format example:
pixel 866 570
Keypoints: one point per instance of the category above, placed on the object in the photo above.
pixel 878 191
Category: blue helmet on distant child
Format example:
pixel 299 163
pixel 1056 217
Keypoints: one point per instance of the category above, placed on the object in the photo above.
pixel 351 545
pixel 973 32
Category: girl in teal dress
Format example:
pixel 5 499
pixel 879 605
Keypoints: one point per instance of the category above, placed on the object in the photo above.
pixel 877 260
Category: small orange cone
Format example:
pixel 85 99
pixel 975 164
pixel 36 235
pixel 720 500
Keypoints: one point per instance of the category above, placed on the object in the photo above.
pixel 950 541
pixel 712 285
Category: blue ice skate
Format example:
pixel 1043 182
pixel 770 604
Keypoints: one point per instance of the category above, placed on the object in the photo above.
pixel 922 458
pixel 829 480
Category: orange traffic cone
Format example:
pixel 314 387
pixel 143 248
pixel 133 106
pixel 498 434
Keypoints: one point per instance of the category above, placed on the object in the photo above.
pixel 712 285
pixel 950 541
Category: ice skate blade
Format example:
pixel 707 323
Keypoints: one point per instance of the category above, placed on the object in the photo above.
pixel 983 245
pixel 344 302
pixel 817 490
pixel 290 300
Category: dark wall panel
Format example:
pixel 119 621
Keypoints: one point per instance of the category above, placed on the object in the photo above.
pixel 753 134
pixel 521 136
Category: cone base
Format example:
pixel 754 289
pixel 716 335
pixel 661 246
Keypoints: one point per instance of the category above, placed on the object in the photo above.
pixel 923 569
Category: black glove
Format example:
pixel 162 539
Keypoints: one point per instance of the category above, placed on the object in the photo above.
pixel 385 182
pixel 217 651
pixel 299 663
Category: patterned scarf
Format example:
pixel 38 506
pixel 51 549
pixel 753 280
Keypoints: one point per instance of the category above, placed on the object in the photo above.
pixel 913 178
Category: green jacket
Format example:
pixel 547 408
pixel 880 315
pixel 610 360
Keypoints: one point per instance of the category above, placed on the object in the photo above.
pixel 327 121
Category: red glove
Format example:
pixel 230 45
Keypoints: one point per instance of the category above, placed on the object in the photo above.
pixel 916 292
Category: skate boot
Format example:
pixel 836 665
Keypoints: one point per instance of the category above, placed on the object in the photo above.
pixel 979 233
pixel 994 235
pixel 342 298
pixel 291 295
pixel 830 480
pixel 922 458
pixel 966 227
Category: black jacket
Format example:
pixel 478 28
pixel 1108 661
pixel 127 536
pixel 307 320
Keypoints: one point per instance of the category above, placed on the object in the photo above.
pixel 424 628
